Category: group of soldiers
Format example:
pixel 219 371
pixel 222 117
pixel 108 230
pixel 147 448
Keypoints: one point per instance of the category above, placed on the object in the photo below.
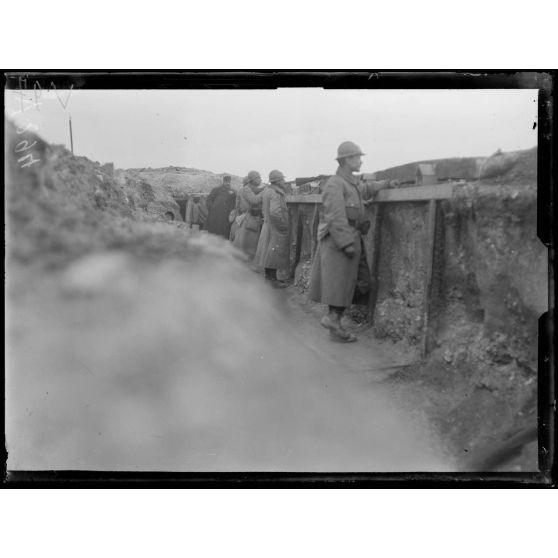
pixel 257 222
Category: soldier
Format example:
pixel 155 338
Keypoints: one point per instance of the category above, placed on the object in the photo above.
pixel 250 210
pixel 199 214
pixel 273 247
pixel 235 216
pixel 220 202
pixel 340 274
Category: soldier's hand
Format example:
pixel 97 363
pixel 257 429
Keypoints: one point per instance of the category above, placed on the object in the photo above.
pixel 394 183
pixel 349 251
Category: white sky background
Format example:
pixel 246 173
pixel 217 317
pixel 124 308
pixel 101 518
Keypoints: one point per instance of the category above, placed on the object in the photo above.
pixel 294 130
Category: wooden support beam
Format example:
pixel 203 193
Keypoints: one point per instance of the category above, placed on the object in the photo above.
pixel 304 198
pixel 375 263
pixel 299 233
pixel 412 194
pixel 295 236
pixel 429 264
pixel 314 230
pixel 415 193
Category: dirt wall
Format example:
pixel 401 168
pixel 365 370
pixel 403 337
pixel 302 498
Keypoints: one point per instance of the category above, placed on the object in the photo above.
pixel 64 207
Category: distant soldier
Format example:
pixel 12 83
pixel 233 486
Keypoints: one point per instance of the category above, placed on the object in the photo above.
pixel 235 216
pixel 273 247
pixel 220 202
pixel 250 210
pixel 199 213
pixel 340 274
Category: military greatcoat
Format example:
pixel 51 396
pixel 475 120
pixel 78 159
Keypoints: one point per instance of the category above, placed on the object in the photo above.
pixel 250 219
pixel 273 246
pixel 337 279
pixel 220 202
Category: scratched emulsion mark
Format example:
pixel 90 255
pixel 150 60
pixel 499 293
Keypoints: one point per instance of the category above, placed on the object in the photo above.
pixel 25 155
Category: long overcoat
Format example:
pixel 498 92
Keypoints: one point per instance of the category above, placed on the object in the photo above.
pixel 337 279
pixel 250 219
pixel 220 202
pixel 199 214
pixel 273 246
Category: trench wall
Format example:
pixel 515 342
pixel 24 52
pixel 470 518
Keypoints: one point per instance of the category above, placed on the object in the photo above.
pixel 490 286
pixel 490 269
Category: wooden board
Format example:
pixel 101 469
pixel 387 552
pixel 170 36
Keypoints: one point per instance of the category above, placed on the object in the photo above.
pixel 305 198
pixel 414 193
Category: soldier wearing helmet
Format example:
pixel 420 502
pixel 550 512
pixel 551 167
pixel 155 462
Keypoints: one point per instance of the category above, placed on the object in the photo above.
pixel 340 274
pixel 250 212
pixel 273 247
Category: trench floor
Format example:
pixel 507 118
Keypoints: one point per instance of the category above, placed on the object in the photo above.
pixel 367 360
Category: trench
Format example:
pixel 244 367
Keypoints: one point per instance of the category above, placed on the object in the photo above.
pixel 135 345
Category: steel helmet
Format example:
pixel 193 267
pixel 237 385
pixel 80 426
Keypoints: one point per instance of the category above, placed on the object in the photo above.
pixel 348 149
pixel 252 175
pixel 275 176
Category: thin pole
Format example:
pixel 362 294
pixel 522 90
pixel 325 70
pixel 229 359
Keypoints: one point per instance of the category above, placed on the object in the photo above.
pixel 71 136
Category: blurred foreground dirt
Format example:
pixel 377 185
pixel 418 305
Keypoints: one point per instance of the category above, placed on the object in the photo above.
pixel 117 364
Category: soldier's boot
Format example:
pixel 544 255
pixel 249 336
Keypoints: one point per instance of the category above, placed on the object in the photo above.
pixel 342 336
pixel 330 321
pixel 336 331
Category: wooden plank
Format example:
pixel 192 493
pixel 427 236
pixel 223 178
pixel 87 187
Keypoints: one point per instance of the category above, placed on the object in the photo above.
pixel 304 198
pixel 415 193
pixel 429 263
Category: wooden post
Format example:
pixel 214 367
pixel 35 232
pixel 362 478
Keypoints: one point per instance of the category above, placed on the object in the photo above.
pixel 314 230
pixel 375 263
pixel 429 264
pixel 299 233
pixel 71 137
pixel 293 240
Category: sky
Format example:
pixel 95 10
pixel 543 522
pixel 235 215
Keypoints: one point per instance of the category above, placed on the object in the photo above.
pixel 294 130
